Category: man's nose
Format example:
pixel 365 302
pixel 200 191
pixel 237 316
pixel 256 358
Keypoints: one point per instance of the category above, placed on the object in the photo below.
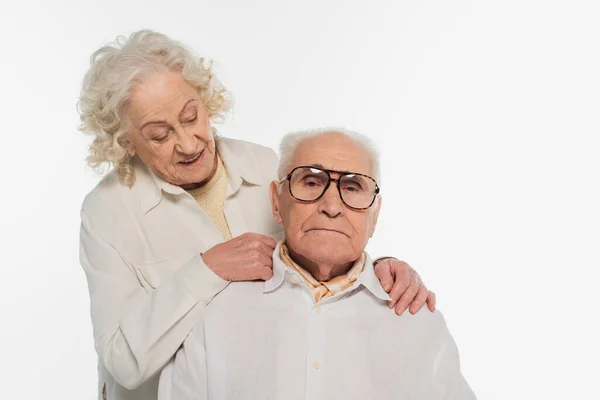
pixel 330 203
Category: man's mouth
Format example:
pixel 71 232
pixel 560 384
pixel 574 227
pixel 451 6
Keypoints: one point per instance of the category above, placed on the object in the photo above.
pixel 327 230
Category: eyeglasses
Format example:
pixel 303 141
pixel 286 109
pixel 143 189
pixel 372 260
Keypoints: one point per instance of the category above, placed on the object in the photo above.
pixel 308 184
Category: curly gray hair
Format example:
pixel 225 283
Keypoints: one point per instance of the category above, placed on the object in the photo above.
pixel 115 70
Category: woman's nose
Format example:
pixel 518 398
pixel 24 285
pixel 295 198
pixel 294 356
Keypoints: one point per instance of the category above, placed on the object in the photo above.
pixel 187 142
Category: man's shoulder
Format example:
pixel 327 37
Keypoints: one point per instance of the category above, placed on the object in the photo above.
pixel 236 302
pixel 236 290
pixel 424 322
pixel 426 318
pixel 423 326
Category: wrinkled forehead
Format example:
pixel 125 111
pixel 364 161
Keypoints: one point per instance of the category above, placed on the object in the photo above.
pixel 160 95
pixel 335 152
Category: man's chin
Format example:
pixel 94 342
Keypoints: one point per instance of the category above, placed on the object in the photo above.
pixel 326 239
pixel 327 248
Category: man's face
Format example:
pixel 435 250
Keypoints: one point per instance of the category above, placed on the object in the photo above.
pixel 326 231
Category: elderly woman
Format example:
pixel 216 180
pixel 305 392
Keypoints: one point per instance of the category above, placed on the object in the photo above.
pixel 169 227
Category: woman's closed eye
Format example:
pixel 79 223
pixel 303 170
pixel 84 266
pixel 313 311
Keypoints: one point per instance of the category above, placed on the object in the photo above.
pixel 191 120
pixel 161 139
pixel 190 116
pixel 160 135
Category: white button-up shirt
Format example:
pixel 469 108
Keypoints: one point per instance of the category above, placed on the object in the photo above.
pixel 140 250
pixel 269 340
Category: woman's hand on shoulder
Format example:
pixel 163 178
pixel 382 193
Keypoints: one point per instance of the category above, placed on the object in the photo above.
pixel 248 257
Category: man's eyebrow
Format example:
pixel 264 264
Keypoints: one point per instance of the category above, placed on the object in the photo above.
pixel 332 170
pixel 165 122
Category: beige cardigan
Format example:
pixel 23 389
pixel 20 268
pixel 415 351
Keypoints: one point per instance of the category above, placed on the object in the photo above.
pixel 140 249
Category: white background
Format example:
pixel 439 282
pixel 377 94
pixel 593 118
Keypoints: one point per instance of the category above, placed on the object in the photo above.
pixel 487 117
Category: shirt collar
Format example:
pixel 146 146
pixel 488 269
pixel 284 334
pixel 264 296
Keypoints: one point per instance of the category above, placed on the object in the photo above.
pixel 150 187
pixel 240 163
pixel 369 280
pixel 240 166
pixel 279 271
pixel 367 277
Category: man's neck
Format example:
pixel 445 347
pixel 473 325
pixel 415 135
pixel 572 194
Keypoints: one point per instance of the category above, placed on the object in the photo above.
pixel 322 272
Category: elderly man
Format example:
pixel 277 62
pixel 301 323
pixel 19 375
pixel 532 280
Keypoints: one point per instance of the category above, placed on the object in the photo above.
pixel 320 328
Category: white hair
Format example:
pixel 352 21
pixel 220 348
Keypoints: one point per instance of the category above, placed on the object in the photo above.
pixel 115 70
pixel 291 141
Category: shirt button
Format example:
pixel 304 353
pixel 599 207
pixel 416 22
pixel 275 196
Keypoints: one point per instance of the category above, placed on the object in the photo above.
pixel 294 279
pixel 318 310
pixel 316 365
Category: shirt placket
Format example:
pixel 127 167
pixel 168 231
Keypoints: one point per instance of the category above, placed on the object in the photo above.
pixel 316 364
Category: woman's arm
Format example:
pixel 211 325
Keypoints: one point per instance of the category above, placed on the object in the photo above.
pixel 136 332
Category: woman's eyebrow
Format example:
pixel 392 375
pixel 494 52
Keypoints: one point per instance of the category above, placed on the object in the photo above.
pixel 184 106
pixel 165 122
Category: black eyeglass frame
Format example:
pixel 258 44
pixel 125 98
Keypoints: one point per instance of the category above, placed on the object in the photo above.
pixel 328 172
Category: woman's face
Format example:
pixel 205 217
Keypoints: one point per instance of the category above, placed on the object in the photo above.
pixel 171 131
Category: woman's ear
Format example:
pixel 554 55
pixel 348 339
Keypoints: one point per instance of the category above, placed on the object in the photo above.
pixel 274 194
pixel 129 147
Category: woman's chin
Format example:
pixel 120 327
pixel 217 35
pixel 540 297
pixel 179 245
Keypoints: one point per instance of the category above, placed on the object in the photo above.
pixel 196 176
pixel 193 181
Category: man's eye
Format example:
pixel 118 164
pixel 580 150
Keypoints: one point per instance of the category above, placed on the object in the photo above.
pixel 352 187
pixel 311 183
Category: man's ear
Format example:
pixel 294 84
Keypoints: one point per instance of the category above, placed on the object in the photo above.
pixel 274 194
pixel 377 206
